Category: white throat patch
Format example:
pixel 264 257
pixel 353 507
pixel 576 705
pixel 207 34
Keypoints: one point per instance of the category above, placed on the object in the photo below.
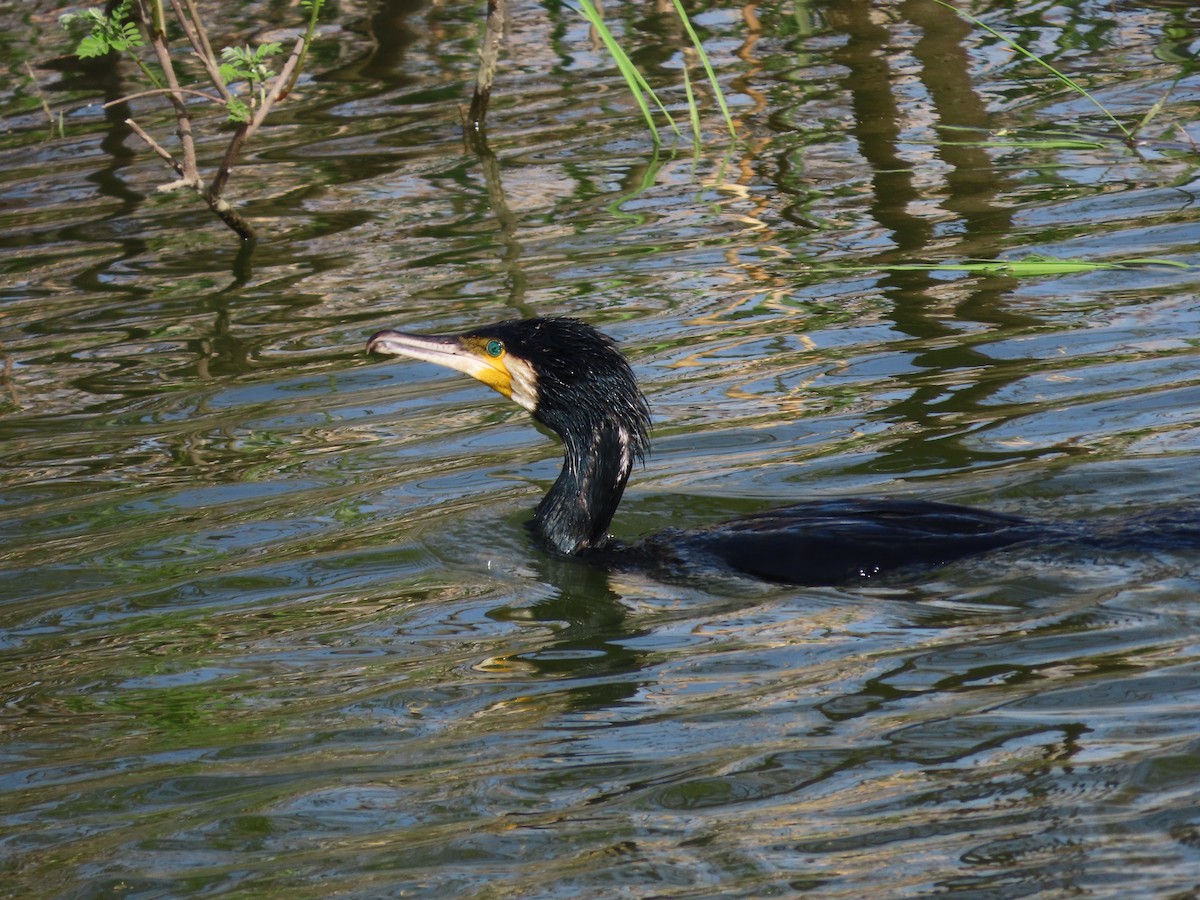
pixel 524 382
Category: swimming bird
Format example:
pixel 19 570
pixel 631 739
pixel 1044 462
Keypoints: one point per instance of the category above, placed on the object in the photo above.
pixel 574 380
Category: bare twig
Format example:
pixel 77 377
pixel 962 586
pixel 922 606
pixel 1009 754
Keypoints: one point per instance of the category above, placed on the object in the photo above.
pixel 232 152
pixel 193 26
pixel 156 147
pixel 277 86
pixel 489 53
pixel 1187 137
pixel 314 12
pixel 158 40
pixel 182 161
pixel 42 98
pixel 247 129
pixel 161 91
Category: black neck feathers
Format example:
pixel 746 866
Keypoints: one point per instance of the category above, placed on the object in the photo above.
pixel 588 395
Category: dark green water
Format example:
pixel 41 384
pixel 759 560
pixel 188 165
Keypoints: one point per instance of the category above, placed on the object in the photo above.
pixel 271 624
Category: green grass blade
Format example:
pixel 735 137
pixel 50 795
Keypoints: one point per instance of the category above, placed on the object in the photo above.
pixel 1029 145
pixel 638 86
pixel 712 76
pixel 1039 139
pixel 1153 111
pixel 1031 266
pixel 1065 79
pixel 693 111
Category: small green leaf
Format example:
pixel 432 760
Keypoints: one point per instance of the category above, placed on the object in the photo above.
pixel 247 65
pixel 92 46
pixel 113 32
pixel 238 111
pixel 133 37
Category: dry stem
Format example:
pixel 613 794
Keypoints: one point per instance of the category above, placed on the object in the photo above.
pixel 489 53
pixel 186 169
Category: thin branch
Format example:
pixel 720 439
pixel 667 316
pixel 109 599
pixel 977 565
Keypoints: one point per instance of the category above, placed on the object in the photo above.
pixel 231 217
pixel 203 32
pixel 128 97
pixel 232 152
pixel 155 146
pixel 193 27
pixel 277 86
pixel 183 117
pixel 1187 137
pixel 159 19
pixel 489 53
pixel 223 210
pixel 244 131
pixel 314 13
pixel 41 97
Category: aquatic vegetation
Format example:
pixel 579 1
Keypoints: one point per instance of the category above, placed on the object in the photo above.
pixel 1029 267
pixel 243 79
pixel 639 88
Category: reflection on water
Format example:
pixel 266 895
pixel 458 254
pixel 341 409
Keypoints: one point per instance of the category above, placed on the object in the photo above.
pixel 268 612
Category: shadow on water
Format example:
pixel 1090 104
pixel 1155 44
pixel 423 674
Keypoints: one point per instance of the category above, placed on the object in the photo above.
pixel 594 634
pixel 972 188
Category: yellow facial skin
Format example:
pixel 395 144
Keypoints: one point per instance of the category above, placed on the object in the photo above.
pixel 493 368
pixel 484 359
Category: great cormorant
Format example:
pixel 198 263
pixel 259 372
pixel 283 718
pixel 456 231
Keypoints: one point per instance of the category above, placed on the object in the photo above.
pixel 575 381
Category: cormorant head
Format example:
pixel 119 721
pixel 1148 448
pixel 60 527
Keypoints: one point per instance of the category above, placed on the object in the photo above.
pixel 574 381
pixel 570 376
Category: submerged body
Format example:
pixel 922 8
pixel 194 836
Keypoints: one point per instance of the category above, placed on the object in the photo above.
pixel 826 542
pixel 573 379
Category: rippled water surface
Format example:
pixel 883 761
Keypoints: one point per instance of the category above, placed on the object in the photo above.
pixel 269 618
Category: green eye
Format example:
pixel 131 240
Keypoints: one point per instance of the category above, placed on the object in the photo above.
pixel 494 348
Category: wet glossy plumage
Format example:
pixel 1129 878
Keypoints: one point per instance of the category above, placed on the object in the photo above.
pixel 584 390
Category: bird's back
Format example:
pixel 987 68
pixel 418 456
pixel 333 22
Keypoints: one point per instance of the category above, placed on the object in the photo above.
pixel 839 541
